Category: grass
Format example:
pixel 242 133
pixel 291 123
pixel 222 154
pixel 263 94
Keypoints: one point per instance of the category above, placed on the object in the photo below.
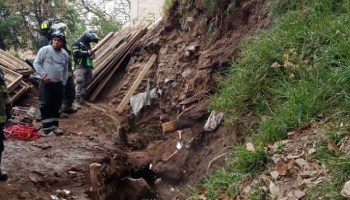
pixel 285 77
pixel 211 5
pixel 167 5
pixel 243 166
pixel 339 166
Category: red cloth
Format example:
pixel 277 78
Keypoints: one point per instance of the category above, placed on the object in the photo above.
pixel 21 132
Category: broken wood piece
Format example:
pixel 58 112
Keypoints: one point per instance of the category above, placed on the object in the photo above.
pixel 136 83
pixel 94 189
pixel 155 24
pixel 168 127
pixel 194 98
pixel 171 156
pixel 185 110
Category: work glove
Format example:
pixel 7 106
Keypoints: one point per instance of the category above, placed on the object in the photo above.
pixel 8 111
pixel 91 53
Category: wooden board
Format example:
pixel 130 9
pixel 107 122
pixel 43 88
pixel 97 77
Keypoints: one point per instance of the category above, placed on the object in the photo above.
pixel 114 43
pixel 103 83
pixel 111 67
pixel 12 78
pixel 98 73
pixel 17 92
pixel 138 80
pixel 11 62
pixel 102 42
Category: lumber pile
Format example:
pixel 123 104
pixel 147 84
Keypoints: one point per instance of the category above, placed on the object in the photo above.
pixel 14 71
pixel 11 62
pixel 110 53
pixel 15 84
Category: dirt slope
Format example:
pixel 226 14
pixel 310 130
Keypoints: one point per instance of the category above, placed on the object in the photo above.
pixel 191 60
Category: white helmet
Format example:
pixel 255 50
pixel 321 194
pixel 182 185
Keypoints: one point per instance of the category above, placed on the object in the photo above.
pixel 59 27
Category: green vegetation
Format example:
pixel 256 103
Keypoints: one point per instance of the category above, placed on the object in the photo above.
pixel 244 165
pixel 211 5
pixel 166 5
pixel 285 77
pixel 22 19
pixel 9 26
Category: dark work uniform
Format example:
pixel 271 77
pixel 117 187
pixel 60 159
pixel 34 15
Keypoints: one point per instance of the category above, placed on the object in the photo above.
pixel 69 89
pixel 5 114
pixel 53 64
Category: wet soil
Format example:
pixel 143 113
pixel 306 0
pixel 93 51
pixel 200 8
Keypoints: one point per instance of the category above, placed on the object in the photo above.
pixel 37 169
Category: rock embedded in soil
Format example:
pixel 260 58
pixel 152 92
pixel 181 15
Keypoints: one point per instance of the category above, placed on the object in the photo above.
pixel 299 194
pixel 346 190
pixel 274 174
pixel 250 147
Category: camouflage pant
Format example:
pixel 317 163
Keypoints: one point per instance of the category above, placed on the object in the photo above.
pixel 69 92
pixel 83 76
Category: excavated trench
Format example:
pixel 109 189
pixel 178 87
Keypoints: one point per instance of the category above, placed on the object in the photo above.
pixel 185 79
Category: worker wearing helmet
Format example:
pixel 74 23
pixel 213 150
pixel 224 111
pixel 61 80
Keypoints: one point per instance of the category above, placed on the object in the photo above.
pixel 83 56
pixel 69 89
pixel 45 36
pixel 5 114
pixel 51 63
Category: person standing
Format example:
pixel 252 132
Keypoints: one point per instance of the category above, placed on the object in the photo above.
pixel 69 89
pixel 5 114
pixel 83 64
pixel 51 63
pixel 45 36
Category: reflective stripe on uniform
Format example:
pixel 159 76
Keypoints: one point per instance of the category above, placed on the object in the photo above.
pixel 49 128
pixel 50 120
pixel 43 26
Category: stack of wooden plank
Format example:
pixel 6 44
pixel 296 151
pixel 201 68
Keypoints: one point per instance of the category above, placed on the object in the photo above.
pixel 11 62
pixel 110 54
pixel 14 70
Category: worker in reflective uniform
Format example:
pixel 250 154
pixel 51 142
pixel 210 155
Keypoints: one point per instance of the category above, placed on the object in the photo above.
pixel 83 55
pixel 5 114
pixel 45 36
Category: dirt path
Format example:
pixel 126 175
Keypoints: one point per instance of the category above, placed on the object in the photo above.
pixel 37 169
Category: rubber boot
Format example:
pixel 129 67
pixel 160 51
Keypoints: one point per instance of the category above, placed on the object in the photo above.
pixel 79 102
pixel 68 109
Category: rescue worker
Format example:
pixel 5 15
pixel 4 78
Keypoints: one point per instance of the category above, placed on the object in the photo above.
pixel 51 63
pixel 47 27
pixel 83 56
pixel 5 114
pixel 69 89
pixel 45 36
